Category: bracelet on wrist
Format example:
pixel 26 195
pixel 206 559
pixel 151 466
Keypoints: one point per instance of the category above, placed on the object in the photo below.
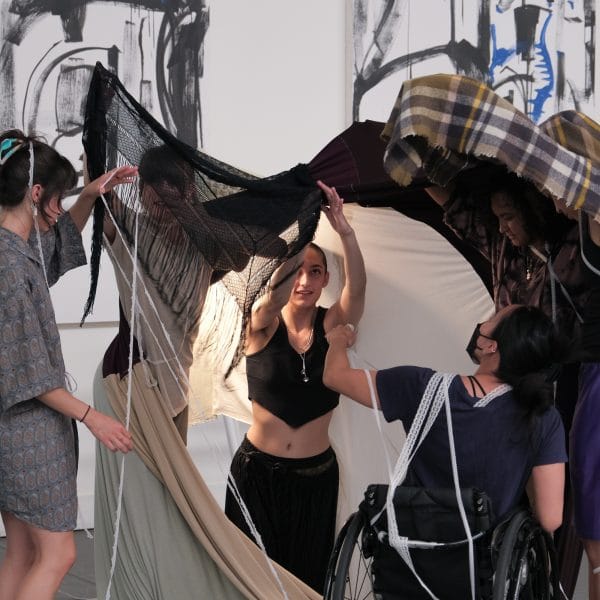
pixel 85 414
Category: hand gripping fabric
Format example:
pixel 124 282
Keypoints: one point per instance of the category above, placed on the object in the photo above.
pixel 194 211
pixel 442 125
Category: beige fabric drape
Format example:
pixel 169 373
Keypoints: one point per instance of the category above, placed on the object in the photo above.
pixel 216 560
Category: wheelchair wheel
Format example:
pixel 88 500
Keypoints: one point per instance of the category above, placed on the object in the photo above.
pixel 349 570
pixel 526 563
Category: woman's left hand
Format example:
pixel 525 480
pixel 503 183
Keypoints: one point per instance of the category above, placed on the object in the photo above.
pixel 109 180
pixel 334 210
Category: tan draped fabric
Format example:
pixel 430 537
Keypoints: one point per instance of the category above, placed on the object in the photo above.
pixel 228 551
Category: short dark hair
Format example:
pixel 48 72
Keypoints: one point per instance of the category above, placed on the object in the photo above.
pixel 51 170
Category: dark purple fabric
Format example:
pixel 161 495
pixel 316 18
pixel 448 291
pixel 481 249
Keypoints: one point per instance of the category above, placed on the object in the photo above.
pixel 585 454
pixel 353 163
pixel 116 357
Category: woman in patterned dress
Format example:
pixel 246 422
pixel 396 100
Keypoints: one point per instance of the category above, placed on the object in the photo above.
pixel 38 493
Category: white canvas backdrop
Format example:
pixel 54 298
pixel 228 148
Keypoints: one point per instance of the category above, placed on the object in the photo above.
pixel 423 300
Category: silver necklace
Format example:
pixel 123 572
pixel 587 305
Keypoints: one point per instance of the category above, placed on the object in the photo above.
pixel 303 373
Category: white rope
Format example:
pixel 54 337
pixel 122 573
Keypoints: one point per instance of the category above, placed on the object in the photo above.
pixel 461 507
pixel 133 258
pixel 413 440
pixel 388 460
pixel 587 263
pixel 113 561
pixel 257 537
pixel 137 308
pixel 497 391
pixel 356 360
pixel 219 459
pixel 554 279
pixel 435 395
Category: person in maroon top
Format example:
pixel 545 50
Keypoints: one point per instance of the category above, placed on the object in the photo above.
pixel 285 470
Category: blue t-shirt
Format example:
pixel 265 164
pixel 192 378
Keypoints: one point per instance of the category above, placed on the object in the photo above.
pixel 496 445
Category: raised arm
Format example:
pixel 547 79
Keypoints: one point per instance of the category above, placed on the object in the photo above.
pixel 350 306
pixel 545 490
pixel 264 313
pixel 338 375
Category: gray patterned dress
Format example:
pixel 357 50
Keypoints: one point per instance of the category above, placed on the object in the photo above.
pixel 37 451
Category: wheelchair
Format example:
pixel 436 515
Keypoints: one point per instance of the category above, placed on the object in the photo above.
pixel 514 560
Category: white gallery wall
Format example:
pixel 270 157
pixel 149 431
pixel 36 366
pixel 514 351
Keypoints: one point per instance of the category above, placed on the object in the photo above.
pixel 276 86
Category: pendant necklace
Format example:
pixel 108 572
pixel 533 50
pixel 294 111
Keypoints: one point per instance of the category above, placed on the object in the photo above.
pixel 302 354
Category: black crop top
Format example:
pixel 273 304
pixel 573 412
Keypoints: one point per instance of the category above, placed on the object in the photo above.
pixel 276 383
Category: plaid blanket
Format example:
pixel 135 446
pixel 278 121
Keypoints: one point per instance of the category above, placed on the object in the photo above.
pixel 444 124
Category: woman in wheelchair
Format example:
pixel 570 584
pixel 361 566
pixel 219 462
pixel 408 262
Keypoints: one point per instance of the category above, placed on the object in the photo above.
pixel 508 437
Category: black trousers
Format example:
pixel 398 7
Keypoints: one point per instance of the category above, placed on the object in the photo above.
pixel 292 503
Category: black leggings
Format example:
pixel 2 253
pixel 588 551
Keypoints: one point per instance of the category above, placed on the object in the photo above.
pixel 293 505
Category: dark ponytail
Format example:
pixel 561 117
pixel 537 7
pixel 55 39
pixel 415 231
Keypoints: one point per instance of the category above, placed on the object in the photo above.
pixel 531 350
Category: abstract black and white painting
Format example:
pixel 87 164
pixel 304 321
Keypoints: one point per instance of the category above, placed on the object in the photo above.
pixel 539 54
pixel 48 50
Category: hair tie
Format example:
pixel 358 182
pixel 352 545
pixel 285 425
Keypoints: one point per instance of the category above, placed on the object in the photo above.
pixel 8 147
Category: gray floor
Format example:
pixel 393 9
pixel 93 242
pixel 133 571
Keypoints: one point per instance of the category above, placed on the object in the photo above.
pixel 79 583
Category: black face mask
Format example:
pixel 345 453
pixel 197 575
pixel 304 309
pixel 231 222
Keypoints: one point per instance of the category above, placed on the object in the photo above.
pixel 472 345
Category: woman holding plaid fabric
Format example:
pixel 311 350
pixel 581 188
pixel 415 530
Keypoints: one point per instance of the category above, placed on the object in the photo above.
pixel 517 229
pixel 38 493
pixel 533 252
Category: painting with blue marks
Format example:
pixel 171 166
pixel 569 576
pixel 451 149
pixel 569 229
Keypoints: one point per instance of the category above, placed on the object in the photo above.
pixel 540 55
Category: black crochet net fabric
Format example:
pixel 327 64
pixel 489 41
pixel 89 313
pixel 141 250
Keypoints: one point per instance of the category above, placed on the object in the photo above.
pixel 189 209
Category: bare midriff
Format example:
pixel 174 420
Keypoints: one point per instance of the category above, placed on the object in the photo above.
pixel 272 435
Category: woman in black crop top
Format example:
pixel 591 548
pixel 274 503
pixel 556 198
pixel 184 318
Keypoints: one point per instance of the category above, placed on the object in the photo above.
pixel 285 469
